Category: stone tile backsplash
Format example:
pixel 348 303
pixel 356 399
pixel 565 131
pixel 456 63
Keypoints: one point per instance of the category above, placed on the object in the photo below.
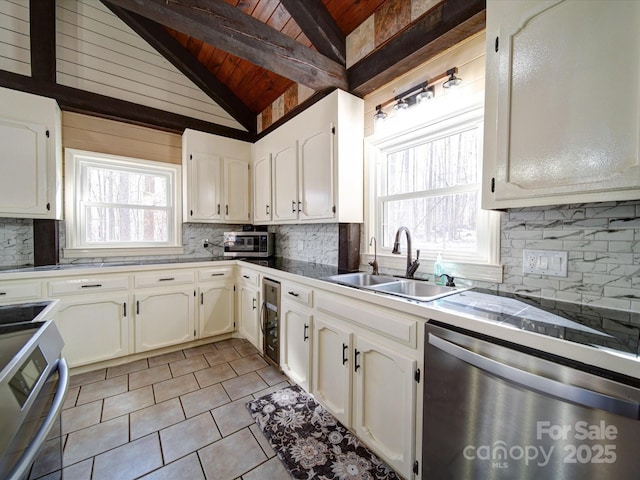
pixel 16 240
pixel 603 245
pixel 602 241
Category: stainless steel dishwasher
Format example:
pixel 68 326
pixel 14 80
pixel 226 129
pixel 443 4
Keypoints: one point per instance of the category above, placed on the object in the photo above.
pixel 493 410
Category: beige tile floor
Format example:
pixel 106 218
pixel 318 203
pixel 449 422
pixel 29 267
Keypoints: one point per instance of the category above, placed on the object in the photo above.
pixel 180 415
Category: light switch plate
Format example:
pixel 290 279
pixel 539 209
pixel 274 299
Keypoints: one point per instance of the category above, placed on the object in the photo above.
pixel 545 262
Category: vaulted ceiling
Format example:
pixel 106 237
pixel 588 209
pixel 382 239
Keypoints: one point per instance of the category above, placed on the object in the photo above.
pixel 244 54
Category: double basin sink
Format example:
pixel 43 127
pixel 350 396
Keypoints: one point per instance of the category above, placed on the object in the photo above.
pixel 419 290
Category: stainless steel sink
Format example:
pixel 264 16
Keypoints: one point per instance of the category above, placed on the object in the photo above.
pixel 417 290
pixel 414 289
pixel 362 279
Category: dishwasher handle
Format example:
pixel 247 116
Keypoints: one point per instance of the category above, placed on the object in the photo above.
pixel 24 463
pixel 544 385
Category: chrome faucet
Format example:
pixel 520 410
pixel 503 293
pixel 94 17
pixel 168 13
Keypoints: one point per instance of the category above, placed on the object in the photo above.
pixel 374 264
pixel 412 266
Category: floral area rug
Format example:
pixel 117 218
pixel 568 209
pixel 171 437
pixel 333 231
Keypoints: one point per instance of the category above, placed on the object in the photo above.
pixel 311 443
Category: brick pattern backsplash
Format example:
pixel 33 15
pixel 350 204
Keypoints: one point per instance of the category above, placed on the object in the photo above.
pixel 602 241
pixel 603 245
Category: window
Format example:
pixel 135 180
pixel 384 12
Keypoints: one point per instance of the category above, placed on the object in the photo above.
pixel 428 179
pixel 121 206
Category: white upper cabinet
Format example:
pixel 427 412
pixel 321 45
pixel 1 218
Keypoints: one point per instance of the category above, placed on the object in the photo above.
pixel 316 165
pixel 562 122
pixel 262 189
pixel 31 156
pixel 215 178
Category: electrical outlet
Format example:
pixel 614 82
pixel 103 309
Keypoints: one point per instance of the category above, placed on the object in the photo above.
pixel 205 243
pixel 545 262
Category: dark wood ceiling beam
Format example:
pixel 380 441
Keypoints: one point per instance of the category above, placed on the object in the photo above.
pixel 229 29
pixel 440 28
pixel 81 101
pixel 42 21
pixel 319 26
pixel 169 48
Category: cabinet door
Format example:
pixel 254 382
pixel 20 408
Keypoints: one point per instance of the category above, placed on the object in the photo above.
pixel 285 184
pixel 384 403
pixel 249 315
pixel 262 189
pixel 558 128
pixel 316 178
pixel 94 330
pixel 296 338
pixel 24 155
pixel 215 310
pixel 236 190
pixel 331 368
pixel 164 318
pixel 204 187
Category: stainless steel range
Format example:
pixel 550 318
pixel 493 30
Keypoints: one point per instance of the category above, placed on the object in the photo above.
pixel 33 384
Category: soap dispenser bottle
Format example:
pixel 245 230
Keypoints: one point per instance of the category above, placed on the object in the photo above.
pixel 438 270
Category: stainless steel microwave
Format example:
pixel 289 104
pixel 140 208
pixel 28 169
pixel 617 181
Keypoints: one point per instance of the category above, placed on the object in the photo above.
pixel 249 244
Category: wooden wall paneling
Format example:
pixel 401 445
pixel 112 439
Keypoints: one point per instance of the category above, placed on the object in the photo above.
pixel 99 53
pixel 15 48
pixel 116 138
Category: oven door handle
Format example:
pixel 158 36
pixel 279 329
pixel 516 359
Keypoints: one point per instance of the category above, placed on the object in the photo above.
pixel 544 385
pixel 24 463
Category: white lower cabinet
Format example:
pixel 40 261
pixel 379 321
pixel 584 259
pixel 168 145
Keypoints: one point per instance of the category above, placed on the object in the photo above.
pixel 164 317
pixel 295 331
pixel 94 329
pixel 384 402
pixel 365 379
pixel 249 314
pixel 249 306
pixel 215 310
pixel 332 347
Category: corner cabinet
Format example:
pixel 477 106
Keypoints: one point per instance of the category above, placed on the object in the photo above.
pixel 316 161
pixel 562 100
pixel 30 135
pixel 249 306
pixel 295 333
pixel 216 178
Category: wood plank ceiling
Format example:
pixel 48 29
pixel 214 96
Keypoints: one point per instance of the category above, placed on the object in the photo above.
pixel 257 86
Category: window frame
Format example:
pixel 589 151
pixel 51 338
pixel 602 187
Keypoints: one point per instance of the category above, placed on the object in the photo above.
pixel 484 266
pixel 76 244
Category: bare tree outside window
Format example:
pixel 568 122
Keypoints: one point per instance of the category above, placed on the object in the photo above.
pixel 433 189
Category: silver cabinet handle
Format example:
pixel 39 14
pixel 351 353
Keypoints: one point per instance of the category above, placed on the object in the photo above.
pixel 29 455
pixel 544 385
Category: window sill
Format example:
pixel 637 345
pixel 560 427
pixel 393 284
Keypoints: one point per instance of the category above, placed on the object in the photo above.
pixel 120 252
pixel 459 269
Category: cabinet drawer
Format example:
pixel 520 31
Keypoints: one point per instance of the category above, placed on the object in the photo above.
pixel 215 273
pixel 250 277
pixel 298 293
pixel 390 323
pixel 167 277
pixel 74 286
pixel 20 291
